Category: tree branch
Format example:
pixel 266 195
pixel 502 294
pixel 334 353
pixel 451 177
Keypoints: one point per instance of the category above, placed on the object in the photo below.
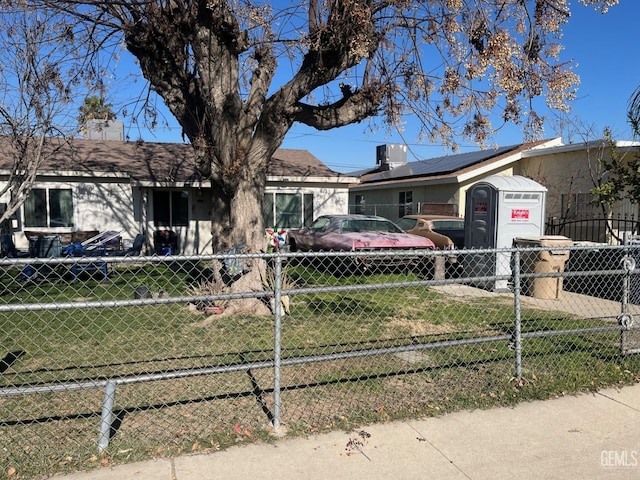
pixel 260 82
pixel 353 107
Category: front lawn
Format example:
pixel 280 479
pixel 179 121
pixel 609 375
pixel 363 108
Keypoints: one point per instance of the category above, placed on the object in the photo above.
pixel 57 432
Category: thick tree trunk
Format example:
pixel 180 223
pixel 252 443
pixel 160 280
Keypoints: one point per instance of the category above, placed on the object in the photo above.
pixel 236 213
pixel 236 219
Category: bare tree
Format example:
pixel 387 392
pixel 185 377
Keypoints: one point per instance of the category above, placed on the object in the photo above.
pixel 38 77
pixel 237 74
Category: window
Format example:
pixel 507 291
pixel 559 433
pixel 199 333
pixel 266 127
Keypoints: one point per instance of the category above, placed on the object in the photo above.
pixel 360 205
pixel 49 208
pixel 170 208
pixel 287 210
pixel 267 210
pixel 405 203
pixel 308 209
pixel 578 205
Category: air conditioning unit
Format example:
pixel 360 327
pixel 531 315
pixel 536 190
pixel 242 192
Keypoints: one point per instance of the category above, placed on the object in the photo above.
pixel 390 156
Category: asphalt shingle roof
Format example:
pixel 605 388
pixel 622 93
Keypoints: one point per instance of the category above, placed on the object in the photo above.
pixel 154 162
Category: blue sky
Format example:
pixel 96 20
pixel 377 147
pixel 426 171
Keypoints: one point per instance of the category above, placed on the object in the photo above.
pixel 603 47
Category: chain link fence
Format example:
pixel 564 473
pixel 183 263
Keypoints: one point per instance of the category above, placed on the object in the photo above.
pixel 115 359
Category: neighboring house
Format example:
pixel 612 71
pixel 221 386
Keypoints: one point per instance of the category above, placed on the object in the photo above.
pixel 131 187
pixel 438 185
pixel 570 172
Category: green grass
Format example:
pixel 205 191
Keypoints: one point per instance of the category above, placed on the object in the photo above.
pixel 57 432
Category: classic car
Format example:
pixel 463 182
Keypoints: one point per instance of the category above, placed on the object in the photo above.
pixel 360 233
pixel 445 231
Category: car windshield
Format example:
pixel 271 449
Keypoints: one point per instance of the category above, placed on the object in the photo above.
pixel 448 224
pixel 368 225
pixel 407 223
pixel 320 225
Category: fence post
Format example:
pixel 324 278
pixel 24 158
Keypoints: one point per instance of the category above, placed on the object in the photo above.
pixel 625 319
pixel 517 327
pixel 106 417
pixel 277 338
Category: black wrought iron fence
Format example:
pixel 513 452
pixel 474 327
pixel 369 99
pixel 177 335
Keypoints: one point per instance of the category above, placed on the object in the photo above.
pixel 602 230
pixel 160 357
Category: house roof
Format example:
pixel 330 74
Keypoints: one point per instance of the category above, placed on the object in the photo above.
pixel 595 145
pixel 450 166
pixel 153 162
pixel 438 165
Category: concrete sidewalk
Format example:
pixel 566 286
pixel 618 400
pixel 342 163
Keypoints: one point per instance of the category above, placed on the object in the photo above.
pixel 595 435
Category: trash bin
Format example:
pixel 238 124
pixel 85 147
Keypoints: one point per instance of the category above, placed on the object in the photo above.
pixel 47 246
pixel 542 261
pixel 42 246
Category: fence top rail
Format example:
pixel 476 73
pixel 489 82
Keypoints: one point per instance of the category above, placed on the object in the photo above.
pixel 156 259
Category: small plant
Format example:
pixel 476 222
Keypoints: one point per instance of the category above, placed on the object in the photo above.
pixel 268 276
pixel 206 288
pixel 269 279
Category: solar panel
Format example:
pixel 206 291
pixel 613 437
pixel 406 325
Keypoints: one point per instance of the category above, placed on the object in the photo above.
pixel 439 165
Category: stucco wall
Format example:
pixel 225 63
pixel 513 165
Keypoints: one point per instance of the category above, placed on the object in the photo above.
pixel 561 173
pixel 568 173
pixel 119 206
pixel 101 205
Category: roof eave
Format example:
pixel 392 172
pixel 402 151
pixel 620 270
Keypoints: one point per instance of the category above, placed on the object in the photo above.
pixel 308 179
pixel 75 173
pixel 623 145
pixel 170 184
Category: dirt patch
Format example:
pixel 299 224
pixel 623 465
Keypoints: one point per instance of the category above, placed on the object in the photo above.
pixel 417 327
